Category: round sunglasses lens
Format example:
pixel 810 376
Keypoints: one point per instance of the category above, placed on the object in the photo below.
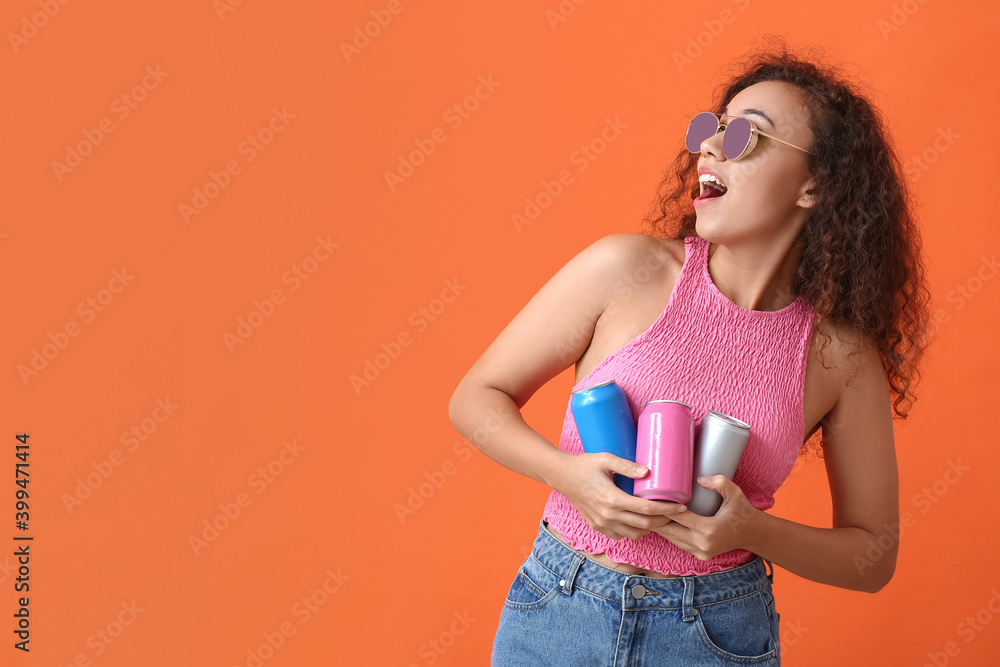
pixel 702 126
pixel 737 137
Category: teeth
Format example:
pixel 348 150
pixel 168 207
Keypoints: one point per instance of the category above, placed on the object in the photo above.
pixel 709 178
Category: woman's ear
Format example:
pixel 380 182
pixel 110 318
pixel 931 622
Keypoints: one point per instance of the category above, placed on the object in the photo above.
pixel 807 199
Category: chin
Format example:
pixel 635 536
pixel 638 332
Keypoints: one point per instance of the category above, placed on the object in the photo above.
pixel 707 230
pixel 715 231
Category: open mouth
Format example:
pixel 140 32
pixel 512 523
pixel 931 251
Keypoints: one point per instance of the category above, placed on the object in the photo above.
pixel 711 188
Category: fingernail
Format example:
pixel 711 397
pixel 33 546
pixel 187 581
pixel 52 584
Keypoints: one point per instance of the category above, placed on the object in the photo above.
pixel 642 470
pixel 703 480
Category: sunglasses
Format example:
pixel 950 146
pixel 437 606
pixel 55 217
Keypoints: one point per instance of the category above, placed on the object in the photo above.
pixel 738 139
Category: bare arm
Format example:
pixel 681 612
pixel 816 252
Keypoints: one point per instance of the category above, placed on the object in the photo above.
pixel 492 421
pixel 859 552
pixel 549 334
pixel 538 344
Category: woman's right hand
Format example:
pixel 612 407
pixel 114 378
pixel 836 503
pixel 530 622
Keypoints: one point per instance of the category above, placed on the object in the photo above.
pixel 586 480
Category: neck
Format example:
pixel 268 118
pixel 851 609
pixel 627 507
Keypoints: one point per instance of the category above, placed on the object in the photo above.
pixel 757 276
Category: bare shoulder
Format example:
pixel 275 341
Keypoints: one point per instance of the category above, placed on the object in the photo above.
pixel 632 252
pixel 635 244
pixel 843 366
pixel 598 292
pixel 849 381
pixel 673 249
pixel 845 351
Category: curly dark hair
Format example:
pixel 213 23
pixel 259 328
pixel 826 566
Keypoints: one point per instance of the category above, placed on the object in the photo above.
pixel 860 249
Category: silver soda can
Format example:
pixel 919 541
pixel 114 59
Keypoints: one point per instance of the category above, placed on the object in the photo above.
pixel 605 424
pixel 719 446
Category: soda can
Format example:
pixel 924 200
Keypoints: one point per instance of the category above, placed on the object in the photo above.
pixel 605 424
pixel 718 449
pixel 665 445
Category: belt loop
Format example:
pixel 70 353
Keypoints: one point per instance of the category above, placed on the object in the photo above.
pixel 567 581
pixel 688 602
pixel 770 572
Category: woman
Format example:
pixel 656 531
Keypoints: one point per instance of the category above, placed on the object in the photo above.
pixel 789 294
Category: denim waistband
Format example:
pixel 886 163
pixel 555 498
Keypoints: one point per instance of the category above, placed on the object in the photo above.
pixel 576 571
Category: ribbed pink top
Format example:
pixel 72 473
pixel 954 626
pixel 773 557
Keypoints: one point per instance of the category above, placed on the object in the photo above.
pixel 712 354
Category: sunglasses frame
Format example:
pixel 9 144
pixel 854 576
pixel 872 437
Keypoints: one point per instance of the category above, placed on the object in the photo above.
pixel 751 143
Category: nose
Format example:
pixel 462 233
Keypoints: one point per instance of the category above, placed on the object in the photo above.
pixel 713 145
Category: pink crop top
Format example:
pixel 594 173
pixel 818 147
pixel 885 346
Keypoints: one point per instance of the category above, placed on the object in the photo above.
pixel 712 354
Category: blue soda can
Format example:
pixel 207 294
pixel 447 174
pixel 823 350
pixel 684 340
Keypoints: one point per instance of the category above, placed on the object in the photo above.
pixel 605 423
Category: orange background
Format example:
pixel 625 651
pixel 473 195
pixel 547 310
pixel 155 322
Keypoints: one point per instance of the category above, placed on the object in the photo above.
pixel 423 587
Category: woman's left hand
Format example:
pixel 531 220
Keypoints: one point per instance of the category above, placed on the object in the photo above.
pixel 709 536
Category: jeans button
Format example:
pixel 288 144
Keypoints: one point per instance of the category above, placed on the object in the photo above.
pixel 638 591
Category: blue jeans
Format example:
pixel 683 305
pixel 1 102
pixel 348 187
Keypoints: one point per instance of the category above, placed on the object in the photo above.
pixel 565 609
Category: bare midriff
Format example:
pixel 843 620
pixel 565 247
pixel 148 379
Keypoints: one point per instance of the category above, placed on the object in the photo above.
pixel 606 561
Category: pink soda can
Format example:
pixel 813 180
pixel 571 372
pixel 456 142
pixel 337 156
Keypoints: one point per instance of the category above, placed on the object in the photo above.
pixel 665 445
